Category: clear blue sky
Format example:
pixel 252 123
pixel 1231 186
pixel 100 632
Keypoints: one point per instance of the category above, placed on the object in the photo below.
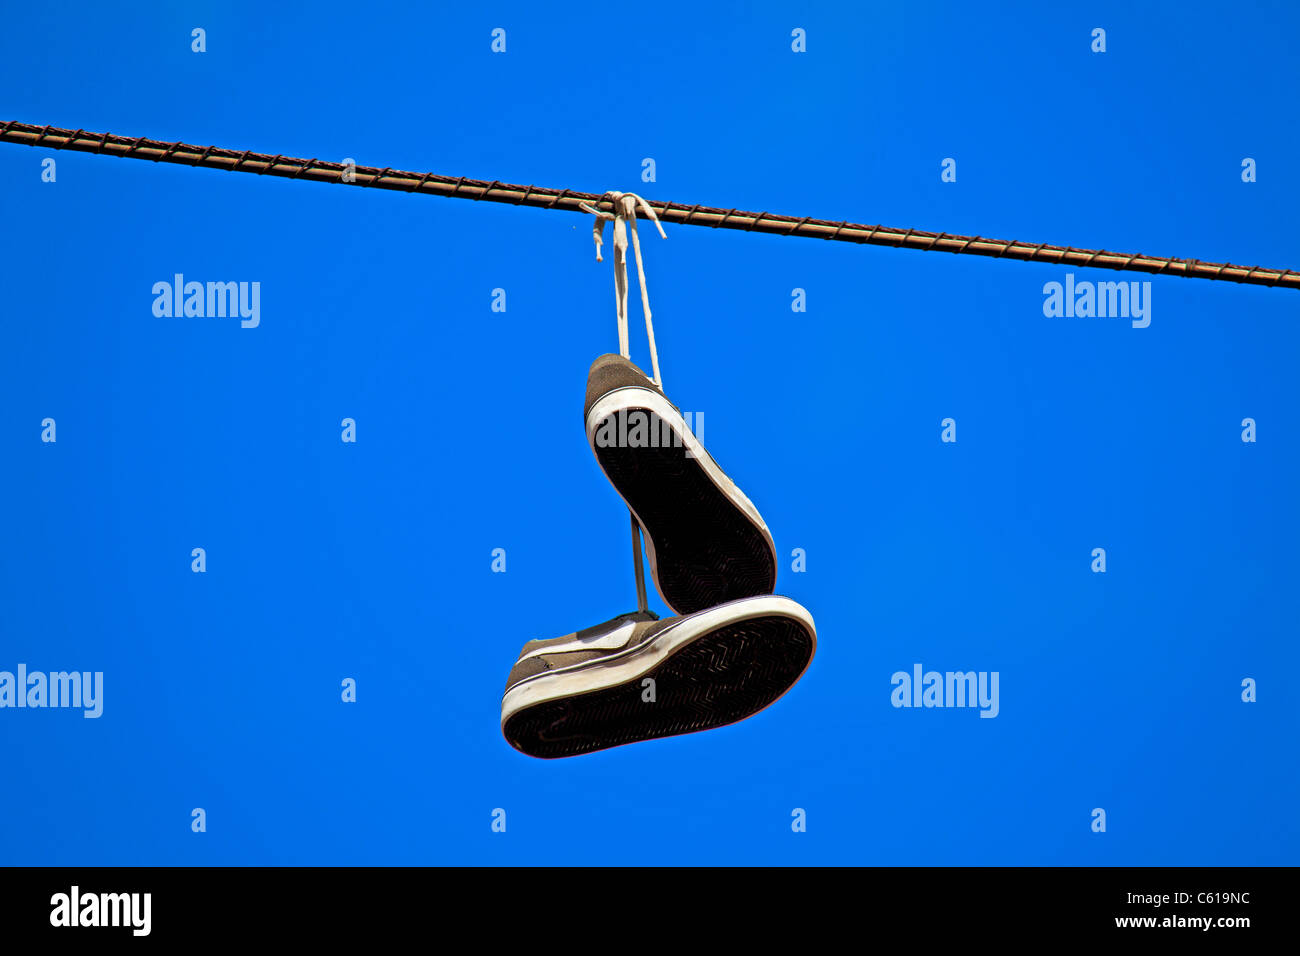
pixel 371 560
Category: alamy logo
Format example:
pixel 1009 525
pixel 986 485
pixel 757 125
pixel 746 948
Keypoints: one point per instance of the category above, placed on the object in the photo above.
pixel 1102 300
pixel 949 689
pixel 102 909
pixel 215 300
pixel 56 689
pixel 637 428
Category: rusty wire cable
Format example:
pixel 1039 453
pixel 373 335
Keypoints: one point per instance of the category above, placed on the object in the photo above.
pixel 246 161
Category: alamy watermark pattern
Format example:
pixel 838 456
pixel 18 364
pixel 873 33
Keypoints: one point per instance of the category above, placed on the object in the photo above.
pixel 946 689
pixel 1085 300
pixel 78 909
pixel 219 300
pixel 635 428
pixel 36 689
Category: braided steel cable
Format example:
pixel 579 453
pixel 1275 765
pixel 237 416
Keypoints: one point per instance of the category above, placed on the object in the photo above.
pixel 542 197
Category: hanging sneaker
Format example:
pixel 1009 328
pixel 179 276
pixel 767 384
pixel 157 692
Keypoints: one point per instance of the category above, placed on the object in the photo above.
pixel 637 677
pixel 706 541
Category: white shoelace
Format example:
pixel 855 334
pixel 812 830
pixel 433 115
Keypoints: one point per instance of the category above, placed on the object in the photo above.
pixel 625 206
pixel 624 212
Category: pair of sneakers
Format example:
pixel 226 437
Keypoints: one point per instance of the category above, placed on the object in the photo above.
pixel 734 647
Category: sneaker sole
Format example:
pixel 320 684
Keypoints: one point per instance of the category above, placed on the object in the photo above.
pixel 705 540
pixel 710 670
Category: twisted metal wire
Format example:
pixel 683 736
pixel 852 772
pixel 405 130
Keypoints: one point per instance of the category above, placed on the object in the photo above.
pixel 542 197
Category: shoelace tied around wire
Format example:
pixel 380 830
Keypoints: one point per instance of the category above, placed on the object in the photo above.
pixel 625 206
